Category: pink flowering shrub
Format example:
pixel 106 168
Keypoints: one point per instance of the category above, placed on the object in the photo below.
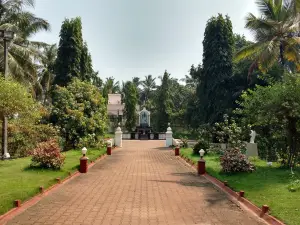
pixel 233 160
pixel 47 155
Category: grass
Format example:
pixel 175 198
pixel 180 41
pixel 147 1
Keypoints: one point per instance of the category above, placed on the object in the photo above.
pixel 19 181
pixel 185 134
pixel 267 185
pixel 109 135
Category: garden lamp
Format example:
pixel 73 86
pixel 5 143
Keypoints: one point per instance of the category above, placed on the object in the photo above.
pixel 84 150
pixel 201 152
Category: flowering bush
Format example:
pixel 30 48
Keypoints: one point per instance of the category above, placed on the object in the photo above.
pixel 234 161
pixel 23 136
pixel 47 155
pixel 229 132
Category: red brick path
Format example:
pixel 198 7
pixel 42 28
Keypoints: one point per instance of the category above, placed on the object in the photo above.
pixel 142 183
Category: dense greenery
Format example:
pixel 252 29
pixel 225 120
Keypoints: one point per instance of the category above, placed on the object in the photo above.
pixel 213 89
pixel 163 103
pixel 276 106
pixel 131 100
pixel 79 110
pixel 69 55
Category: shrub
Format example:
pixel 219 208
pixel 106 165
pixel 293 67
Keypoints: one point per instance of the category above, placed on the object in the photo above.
pixel 23 136
pixel 202 144
pixel 234 161
pixel 78 110
pixel 215 149
pixel 47 155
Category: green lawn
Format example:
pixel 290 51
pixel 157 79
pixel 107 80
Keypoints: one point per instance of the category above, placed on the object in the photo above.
pixel 267 185
pixel 109 135
pixel 19 181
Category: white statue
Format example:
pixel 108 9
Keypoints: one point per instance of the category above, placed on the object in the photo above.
pixel 252 135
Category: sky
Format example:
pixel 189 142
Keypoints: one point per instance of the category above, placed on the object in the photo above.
pixel 134 38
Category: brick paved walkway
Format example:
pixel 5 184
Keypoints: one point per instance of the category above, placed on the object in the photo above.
pixel 142 183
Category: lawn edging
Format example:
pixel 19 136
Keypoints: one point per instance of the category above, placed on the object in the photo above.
pixel 235 197
pixel 36 198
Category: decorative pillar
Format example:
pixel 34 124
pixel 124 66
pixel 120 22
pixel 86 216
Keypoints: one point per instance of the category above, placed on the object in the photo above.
pixel 118 136
pixel 169 136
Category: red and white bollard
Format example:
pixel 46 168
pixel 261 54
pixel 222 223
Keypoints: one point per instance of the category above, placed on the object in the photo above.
pixel 108 148
pixel 177 151
pixel 83 162
pixel 201 163
pixel 201 167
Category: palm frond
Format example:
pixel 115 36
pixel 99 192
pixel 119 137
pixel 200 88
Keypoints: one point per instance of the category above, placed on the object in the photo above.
pixel 249 52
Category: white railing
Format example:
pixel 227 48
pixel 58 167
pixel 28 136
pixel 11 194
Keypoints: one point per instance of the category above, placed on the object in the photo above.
pixel 126 136
pixel 162 136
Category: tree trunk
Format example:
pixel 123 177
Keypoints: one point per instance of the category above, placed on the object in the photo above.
pixel 282 54
pixel 292 132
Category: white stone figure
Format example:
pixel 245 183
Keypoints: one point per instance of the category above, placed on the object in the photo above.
pixel 252 135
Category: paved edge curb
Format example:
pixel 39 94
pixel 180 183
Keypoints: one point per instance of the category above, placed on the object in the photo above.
pixel 234 196
pixel 36 198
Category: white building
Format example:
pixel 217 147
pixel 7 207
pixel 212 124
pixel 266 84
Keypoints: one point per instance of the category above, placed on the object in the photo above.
pixel 115 110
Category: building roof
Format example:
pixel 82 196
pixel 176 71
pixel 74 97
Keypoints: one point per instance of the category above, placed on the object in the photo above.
pixel 114 98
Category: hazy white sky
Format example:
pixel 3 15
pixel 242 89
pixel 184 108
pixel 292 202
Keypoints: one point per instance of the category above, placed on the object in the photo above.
pixel 130 38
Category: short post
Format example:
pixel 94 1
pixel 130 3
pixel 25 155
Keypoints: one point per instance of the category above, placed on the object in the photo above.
pixel 118 136
pixel 177 151
pixel 201 163
pixel 242 194
pixel 264 210
pixel 41 189
pixel 17 203
pixel 83 161
pixel 108 148
pixel 169 136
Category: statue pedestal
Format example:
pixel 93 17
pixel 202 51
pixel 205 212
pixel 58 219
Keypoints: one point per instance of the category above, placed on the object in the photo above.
pixel 251 149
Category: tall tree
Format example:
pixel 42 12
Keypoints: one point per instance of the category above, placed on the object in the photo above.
pixel 163 103
pixel 213 93
pixel 276 33
pixel 86 66
pixel 130 101
pixel 69 56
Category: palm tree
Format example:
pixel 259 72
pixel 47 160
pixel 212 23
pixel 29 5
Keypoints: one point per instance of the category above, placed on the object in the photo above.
pixel 110 87
pixel 22 53
pixel 45 73
pixel 149 85
pixel 277 35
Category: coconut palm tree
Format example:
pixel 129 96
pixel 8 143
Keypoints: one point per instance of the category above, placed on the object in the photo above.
pixel 45 73
pixel 276 33
pixel 22 53
pixel 149 85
